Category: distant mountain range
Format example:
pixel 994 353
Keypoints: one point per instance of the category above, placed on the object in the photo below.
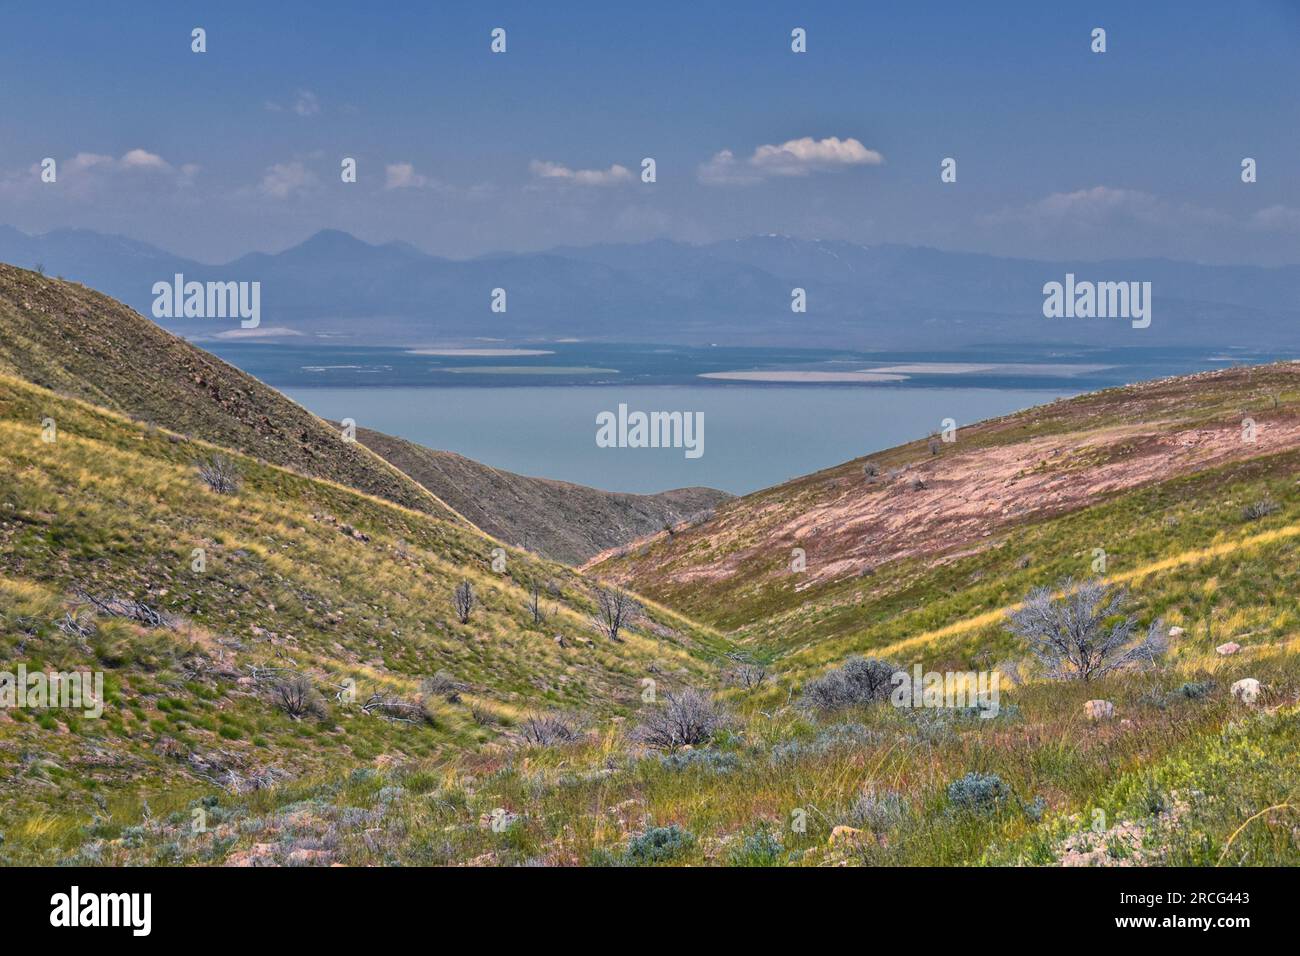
pixel 335 287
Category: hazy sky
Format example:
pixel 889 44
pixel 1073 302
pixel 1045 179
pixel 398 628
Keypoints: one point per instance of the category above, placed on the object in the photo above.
pixel 1061 152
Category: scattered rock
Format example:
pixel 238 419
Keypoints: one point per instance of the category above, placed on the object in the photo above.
pixel 1223 650
pixel 1099 709
pixel 1247 690
pixel 499 820
pixel 843 834
pixel 260 854
pixel 303 857
pixel 1177 632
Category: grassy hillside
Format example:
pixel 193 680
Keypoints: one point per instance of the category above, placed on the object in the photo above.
pixel 1185 773
pixel 299 577
pixel 557 519
pixel 885 516
pixel 78 342
pixel 309 577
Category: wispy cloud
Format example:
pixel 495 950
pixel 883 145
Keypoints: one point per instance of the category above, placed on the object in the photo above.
pixel 795 157
pixel 403 176
pixel 304 103
pixel 286 180
pixel 1277 218
pixel 556 172
pixel 1099 206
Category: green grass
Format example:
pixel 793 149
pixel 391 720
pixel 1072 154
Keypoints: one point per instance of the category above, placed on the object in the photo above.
pixel 299 574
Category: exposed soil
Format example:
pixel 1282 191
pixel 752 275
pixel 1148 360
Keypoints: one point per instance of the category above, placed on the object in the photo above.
pixel 955 500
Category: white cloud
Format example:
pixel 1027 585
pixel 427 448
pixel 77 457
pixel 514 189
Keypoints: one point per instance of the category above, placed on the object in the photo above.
pixel 305 103
pixel 795 157
pixel 143 159
pixel 1104 206
pixel 799 157
pixel 543 169
pixel 1279 218
pixel 722 169
pixel 86 174
pixel 132 159
pixel 403 176
pixel 1094 203
pixel 84 161
pixel 284 180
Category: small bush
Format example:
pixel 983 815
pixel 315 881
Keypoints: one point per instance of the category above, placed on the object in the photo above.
pixel 1194 689
pixel 879 811
pixel 1035 809
pixel 658 844
pixel 747 675
pixel 396 709
pixel 219 473
pixel 444 685
pixel 715 761
pixel 1260 509
pixel 616 611
pixel 462 600
pixel 128 608
pixel 546 730
pixel 978 792
pixel 685 717
pixel 861 680
pixel 760 848
pixel 1085 633
pixel 833 737
pixel 297 696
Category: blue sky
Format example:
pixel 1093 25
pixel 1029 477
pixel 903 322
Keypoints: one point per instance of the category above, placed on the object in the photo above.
pixel 1061 152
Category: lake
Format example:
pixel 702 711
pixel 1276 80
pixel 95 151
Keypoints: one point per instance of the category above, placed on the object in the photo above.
pixel 768 414
pixel 754 436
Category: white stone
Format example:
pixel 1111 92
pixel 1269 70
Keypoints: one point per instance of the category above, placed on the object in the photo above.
pixel 1099 709
pixel 1247 690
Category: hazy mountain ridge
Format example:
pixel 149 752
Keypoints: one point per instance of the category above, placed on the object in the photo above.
pixel 734 291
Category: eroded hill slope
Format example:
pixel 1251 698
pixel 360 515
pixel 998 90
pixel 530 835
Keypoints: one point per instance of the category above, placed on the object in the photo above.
pixel 557 519
pixel 78 342
pixel 933 502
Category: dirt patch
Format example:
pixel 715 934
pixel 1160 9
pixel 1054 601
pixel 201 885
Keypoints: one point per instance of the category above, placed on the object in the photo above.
pixel 957 500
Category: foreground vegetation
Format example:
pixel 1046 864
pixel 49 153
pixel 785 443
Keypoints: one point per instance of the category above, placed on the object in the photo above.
pixel 1175 785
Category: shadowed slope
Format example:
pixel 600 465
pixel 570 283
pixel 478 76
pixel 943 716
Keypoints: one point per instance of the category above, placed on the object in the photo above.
pixel 558 519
